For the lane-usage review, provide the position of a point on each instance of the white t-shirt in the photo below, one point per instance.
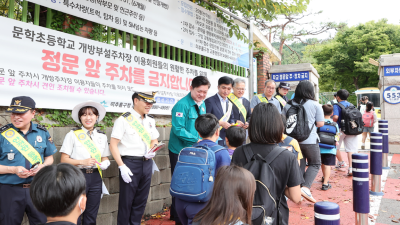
(73, 147)
(131, 143)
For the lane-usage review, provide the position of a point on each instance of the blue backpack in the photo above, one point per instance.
(327, 135)
(194, 173)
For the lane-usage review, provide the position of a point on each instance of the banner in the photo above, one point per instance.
(291, 76)
(60, 70)
(181, 24)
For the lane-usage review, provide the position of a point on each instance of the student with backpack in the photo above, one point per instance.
(303, 116)
(275, 169)
(235, 136)
(290, 143)
(329, 137)
(237, 183)
(194, 175)
(350, 123)
(369, 118)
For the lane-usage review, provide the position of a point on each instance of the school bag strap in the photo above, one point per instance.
(287, 140)
(268, 159)
(215, 148)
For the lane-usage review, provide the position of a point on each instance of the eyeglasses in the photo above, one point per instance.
(240, 89)
(271, 88)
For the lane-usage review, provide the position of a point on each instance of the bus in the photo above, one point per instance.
(374, 96)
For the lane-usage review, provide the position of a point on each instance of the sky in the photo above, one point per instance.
(354, 12)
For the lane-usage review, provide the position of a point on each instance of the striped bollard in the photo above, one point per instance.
(326, 213)
(384, 129)
(376, 163)
(360, 188)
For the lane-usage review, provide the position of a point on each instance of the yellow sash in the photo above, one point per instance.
(240, 106)
(90, 146)
(281, 100)
(139, 128)
(227, 114)
(22, 145)
(262, 99)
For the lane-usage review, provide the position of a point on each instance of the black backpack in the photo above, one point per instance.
(352, 122)
(266, 202)
(286, 143)
(297, 122)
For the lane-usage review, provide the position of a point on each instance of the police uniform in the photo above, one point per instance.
(75, 149)
(14, 191)
(132, 148)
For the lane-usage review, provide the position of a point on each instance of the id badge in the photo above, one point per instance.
(10, 156)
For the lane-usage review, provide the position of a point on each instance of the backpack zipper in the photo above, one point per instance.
(268, 191)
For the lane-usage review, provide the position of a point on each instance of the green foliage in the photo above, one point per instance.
(97, 32)
(343, 62)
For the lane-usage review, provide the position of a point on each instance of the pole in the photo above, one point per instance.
(376, 163)
(251, 72)
(326, 213)
(384, 129)
(360, 188)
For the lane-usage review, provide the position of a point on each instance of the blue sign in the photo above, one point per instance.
(291, 76)
(164, 100)
(392, 94)
(391, 71)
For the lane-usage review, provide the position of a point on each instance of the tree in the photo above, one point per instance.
(344, 60)
(289, 27)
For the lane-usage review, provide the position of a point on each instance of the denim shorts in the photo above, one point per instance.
(368, 129)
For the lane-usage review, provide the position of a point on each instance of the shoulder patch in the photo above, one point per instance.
(41, 127)
(100, 131)
(150, 116)
(75, 128)
(126, 114)
(5, 127)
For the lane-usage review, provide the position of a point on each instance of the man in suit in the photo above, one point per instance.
(239, 87)
(221, 107)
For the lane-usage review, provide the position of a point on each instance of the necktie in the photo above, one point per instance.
(226, 108)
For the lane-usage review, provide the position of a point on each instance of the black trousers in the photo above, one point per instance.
(173, 159)
(133, 195)
(14, 201)
(93, 195)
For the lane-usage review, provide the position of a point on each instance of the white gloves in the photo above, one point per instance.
(150, 155)
(105, 164)
(126, 173)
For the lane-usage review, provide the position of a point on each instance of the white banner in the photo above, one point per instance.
(60, 70)
(181, 24)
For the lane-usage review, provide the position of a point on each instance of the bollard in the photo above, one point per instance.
(326, 213)
(360, 188)
(384, 129)
(376, 163)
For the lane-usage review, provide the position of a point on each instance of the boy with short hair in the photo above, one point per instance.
(235, 136)
(58, 191)
(328, 154)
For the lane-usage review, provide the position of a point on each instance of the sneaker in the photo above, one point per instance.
(326, 186)
(350, 171)
(341, 164)
(306, 193)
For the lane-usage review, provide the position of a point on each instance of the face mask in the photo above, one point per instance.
(79, 204)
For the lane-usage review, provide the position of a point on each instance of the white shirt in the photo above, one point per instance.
(223, 102)
(73, 147)
(131, 143)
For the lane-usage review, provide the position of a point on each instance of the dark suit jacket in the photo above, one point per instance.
(238, 115)
(213, 106)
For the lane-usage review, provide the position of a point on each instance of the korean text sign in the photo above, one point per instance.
(392, 71)
(179, 23)
(60, 70)
(291, 76)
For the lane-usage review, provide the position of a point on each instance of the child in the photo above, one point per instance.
(58, 191)
(235, 136)
(290, 143)
(369, 119)
(329, 136)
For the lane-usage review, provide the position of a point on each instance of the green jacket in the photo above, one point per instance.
(183, 133)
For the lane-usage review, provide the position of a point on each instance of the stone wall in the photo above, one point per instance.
(159, 196)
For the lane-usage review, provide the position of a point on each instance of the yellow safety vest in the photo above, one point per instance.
(225, 117)
(262, 99)
(281, 100)
(90, 146)
(138, 127)
(238, 104)
(23, 146)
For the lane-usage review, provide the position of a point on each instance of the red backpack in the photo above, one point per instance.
(368, 118)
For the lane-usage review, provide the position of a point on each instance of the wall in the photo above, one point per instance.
(159, 196)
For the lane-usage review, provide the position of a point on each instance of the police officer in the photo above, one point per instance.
(77, 150)
(133, 135)
(25, 148)
(281, 92)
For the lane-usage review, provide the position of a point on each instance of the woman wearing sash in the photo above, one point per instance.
(281, 92)
(87, 148)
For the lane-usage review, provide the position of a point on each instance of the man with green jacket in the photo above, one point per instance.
(183, 133)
